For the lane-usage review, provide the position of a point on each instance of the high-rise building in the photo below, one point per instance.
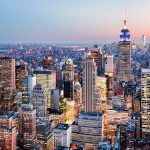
(145, 101)
(21, 72)
(44, 134)
(55, 94)
(77, 93)
(62, 135)
(8, 131)
(7, 81)
(68, 89)
(27, 126)
(90, 101)
(109, 65)
(125, 54)
(47, 79)
(8, 138)
(49, 62)
(102, 87)
(8, 76)
(39, 101)
(31, 83)
(143, 43)
(88, 130)
(98, 58)
(69, 70)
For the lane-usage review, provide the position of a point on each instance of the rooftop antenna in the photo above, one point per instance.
(125, 20)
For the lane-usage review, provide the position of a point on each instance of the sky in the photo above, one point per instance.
(72, 20)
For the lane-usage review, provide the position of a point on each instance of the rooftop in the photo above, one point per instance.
(90, 115)
(62, 126)
(144, 70)
(42, 72)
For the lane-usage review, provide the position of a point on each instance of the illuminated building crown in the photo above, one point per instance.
(125, 33)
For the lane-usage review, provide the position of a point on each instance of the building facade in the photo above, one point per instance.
(88, 130)
(62, 135)
(39, 101)
(27, 126)
(90, 99)
(47, 79)
(125, 54)
(145, 101)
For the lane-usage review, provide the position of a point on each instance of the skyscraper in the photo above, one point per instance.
(88, 130)
(21, 72)
(39, 101)
(8, 73)
(27, 126)
(48, 62)
(125, 54)
(62, 135)
(7, 80)
(90, 100)
(145, 101)
(8, 131)
(98, 59)
(44, 134)
(68, 89)
(69, 70)
(47, 79)
(109, 65)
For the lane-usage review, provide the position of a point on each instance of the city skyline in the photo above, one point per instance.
(71, 21)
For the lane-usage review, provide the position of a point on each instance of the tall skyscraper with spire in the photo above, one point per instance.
(125, 54)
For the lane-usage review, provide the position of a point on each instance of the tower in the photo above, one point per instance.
(39, 101)
(48, 63)
(69, 79)
(125, 54)
(7, 80)
(145, 101)
(90, 95)
(27, 126)
(47, 78)
(69, 70)
(98, 59)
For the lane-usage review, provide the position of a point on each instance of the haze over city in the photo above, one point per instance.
(71, 21)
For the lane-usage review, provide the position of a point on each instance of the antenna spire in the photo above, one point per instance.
(125, 20)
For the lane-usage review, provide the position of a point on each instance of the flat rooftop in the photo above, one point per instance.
(144, 70)
(43, 71)
(62, 126)
(90, 115)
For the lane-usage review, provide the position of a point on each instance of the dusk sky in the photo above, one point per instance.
(72, 20)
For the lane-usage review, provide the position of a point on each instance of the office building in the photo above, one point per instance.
(69, 70)
(145, 101)
(62, 135)
(47, 79)
(88, 130)
(8, 82)
(77, 93)
(68, 89)
(98, 58)
(8, 76)
(136, 120)
(21, 72)
(27, 126)
(8, 138)
(109, 65)
(39, 101)
(125, 54)
(31, 83)
(90, 100)
(48, 63)
(55, 96)
(8, 132)
(44, 134)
